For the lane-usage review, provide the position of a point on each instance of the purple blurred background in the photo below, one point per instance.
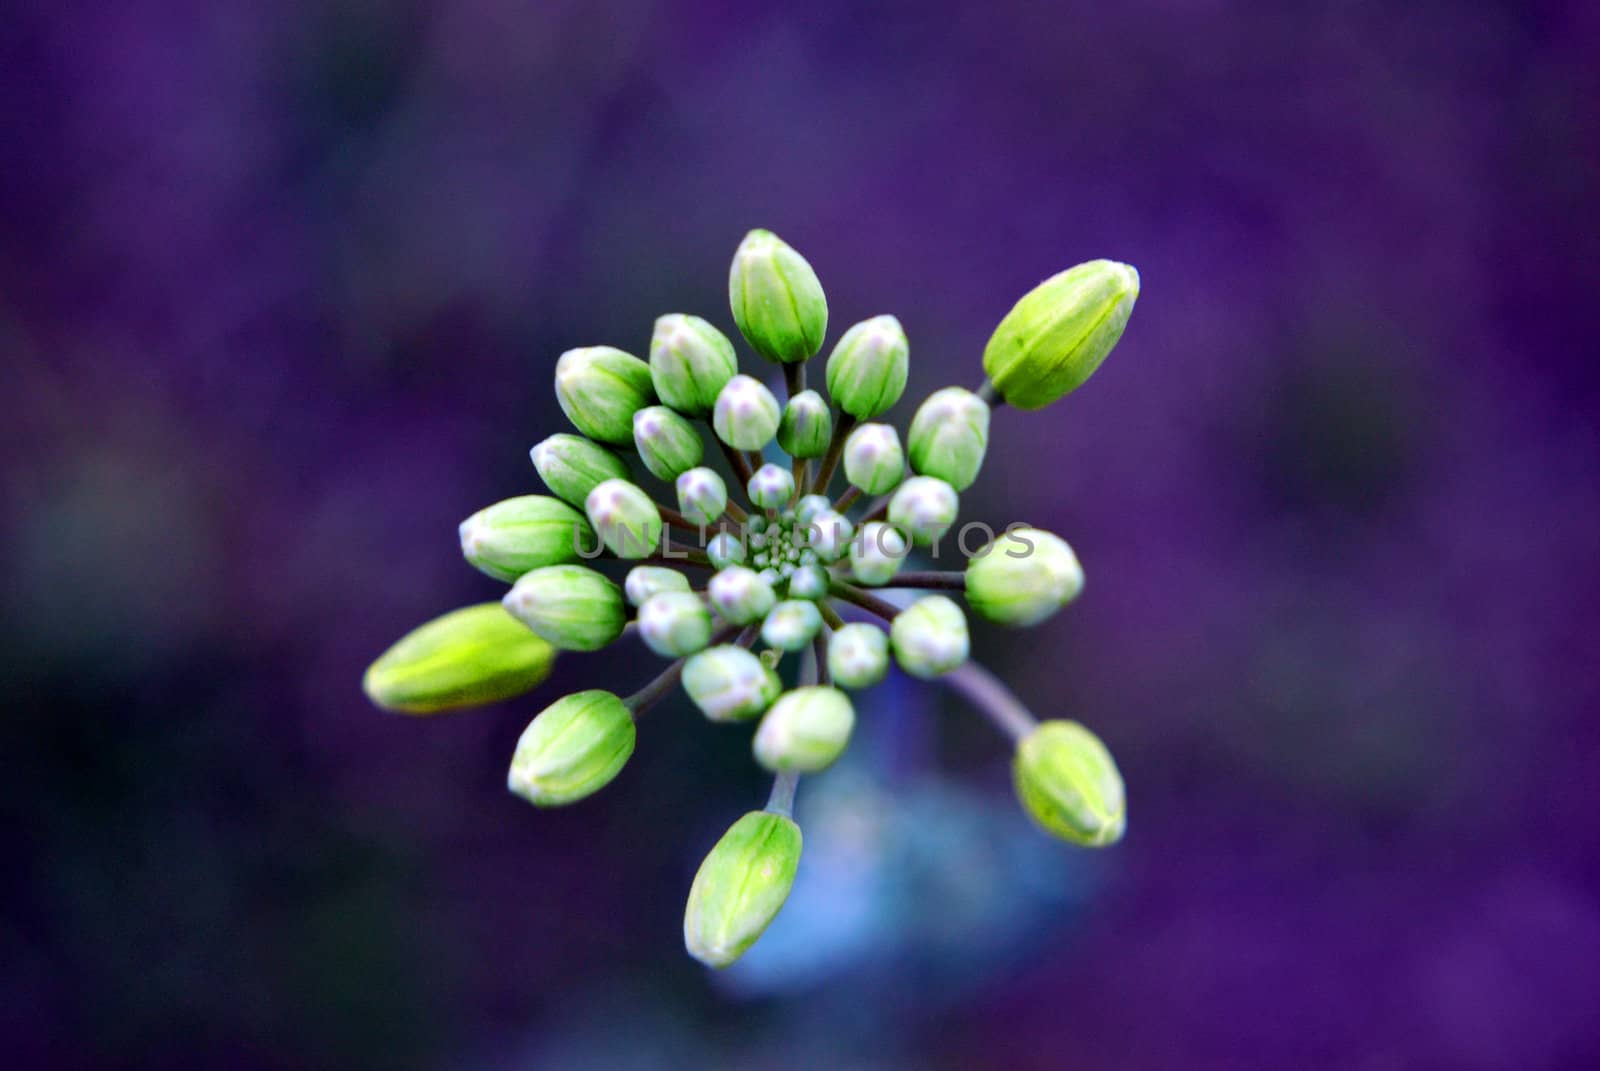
(281, 287)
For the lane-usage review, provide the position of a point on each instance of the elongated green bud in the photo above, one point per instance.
(600, 388)
(674, 624)
(625, 519)
(828, 533)
(469, 657)
(690, 362)
(791, 624)
(924, 508)
(572, 466)
(809, 506)
(729, 683)
(667, 443)
(521, 534)
(805, 731)
(873, 459)
(740, 887)
(740, 596)
(643, 581)
(771, 487)
(725, 549)
(572, 749)
(930, 637)
(806, 426)
(808, 582)
(702, 495)
(1057, 335)
(1022, 577)
(877, 553)
(746, 414)
(1070, 785)
(574, 608)
(776, 299)
(867, 369)
(858, 655)
(949, 436)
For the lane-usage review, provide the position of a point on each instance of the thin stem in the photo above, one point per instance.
(794, 377)
(781, 799)
(676, 519)
(841, 431)
(735, 512)
(865, 600)
(819, 650)
(658, 689)
(736, 461)
(830, 615)
(997, 702)
(847, 499)
(934, 579)
(747, 638)
(989, 394)
(878, 510)
(756, 462)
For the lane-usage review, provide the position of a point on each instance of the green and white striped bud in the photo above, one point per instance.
(1023, 577)
(858, 655)
(625, 519)
(674, 624)
(643, 581)
(702, 496)
(808, 582)
(572, 749)
(924, 508)
(873, 459)
(667, 443)
(690, 362)
(930, 637)
(867, 368)
(771, 487)
(1057, 335)
(740, 887)
(729, 683)
(776, 299)
(806, 730)
(725, 549)
(809, 506)
(600, 388)
(791, 625)
(877, 553)
(740, 596)
(572, 466)
(1069, 784)
(575, 608)
(828, 533)
(521, 534)
(469, 657)
(746, 414)
(806, 426)
(949, 436)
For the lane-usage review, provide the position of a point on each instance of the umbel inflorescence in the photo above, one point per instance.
(789, 570)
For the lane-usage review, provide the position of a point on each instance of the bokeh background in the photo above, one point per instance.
(281, 287)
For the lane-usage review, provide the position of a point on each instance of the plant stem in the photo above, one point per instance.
(781, 799)
(819, 649)
(989, 394)
(878, 510)
(852, 594)
(841, 431)
(933, 579)
(657, 690)
(847, 499)
(830, 615)
(736, 461)
(794, 377)
(676, 519)
(997, 702)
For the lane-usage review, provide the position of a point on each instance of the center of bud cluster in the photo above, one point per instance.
(778, 546)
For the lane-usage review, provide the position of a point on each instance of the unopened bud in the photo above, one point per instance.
(1023, 577)
(930, 637)
(572, 749)
(469, 657)
(924, 508)
(729, 683)
(521, 534)
(776, 299)
(740, 596)
(740, 887)
(771, 486)
(674, 624)
(806, 730)
(644, 581)
(572, 466)
(600, 388)
(858, 655)
(828, 534)
(702, 495)
(1069, 784)
(725, 549)
(808, 582)
(949, 436)
(746, 414)
(574, 608)
(806, 426)
(791, 624)
(625, 519)
(873, 459)
(867, 369)
(877, 553)
(667, 443)
(811, 505)
(690, 362)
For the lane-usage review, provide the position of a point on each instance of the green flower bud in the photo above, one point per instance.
(628, 523)
(702, 496)
(667, 443)
(808, 582)
(746, 414)
(600, 389)
(469, 657)
(1069, 784)
(806, 730)
(867, 369)
(729, 683)
(643, 581)
(1023, 577)
(690, 363)
(873, 460)
(521, 534)
(858, 655)
(828, 534)
(809, 506)
(1057, 335)
(572, 749)
(877, 553)
(572, 466)
(741, 887)
(674, 624)
(771, 486)
(930, 637)
(725, 549)
(575, 608)
(949, 435)
(776, 298)
(924, 508)
(791, 625)
(806, 427)
(740, 596)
